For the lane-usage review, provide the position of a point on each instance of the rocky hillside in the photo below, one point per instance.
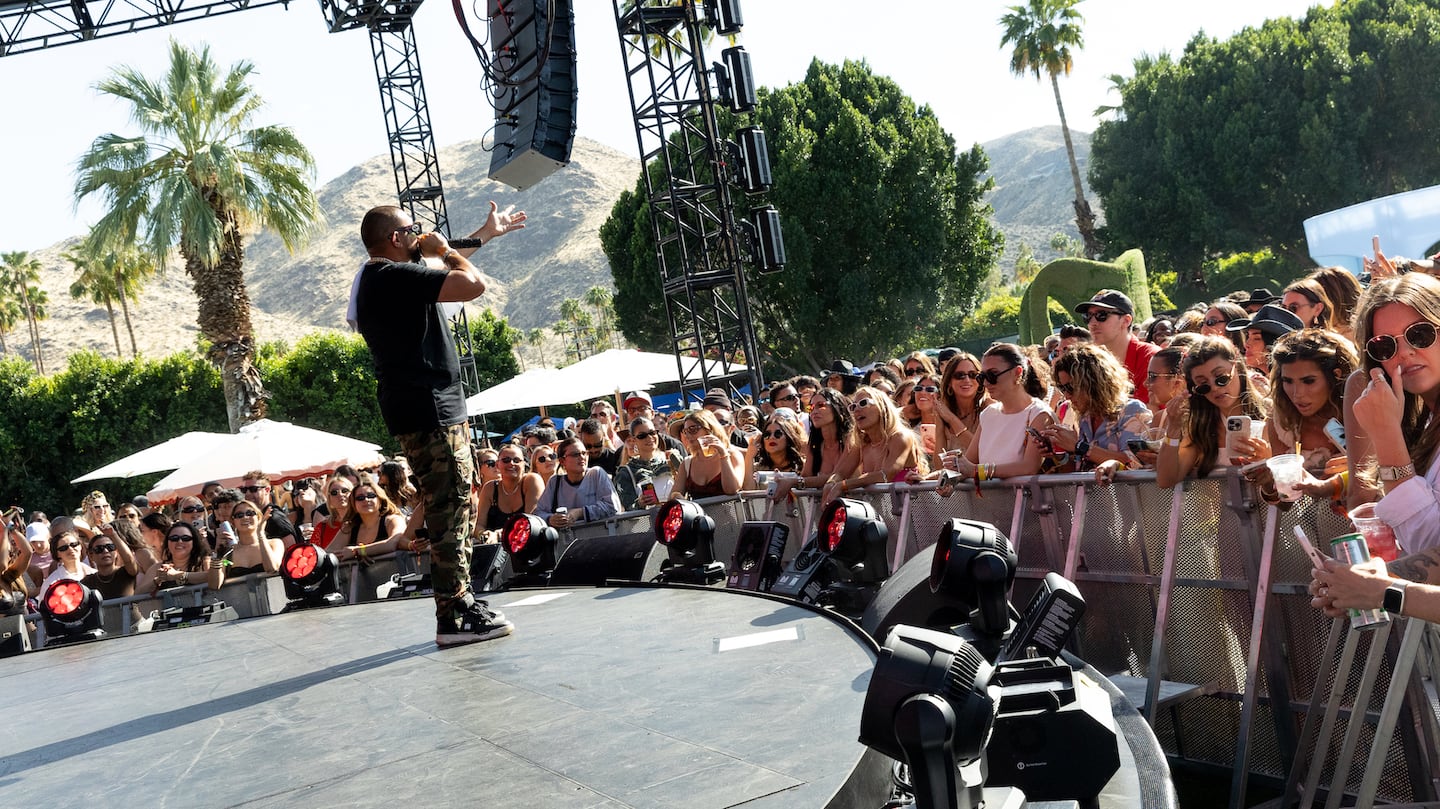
(1033, 190)
(557, 256)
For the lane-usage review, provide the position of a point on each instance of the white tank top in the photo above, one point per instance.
(1002, 435)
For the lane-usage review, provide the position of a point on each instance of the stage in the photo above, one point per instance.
(603, 697)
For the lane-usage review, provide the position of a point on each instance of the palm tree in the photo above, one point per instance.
(602, 300)
(205, 179)
(1042, 33)
(11, 313)
(95, 283)
(536, 339)
(21, 274)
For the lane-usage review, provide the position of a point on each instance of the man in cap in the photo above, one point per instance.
(1108, 316)
(638, 406)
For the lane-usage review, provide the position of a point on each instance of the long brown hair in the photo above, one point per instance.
(1330, 352)
(1313, 292)
(1204, 425)
(385, 506)
(982, 396)
(1422, 293)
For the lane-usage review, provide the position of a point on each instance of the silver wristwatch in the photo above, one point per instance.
(1392, 473)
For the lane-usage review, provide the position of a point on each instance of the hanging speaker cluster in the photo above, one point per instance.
(532, 46)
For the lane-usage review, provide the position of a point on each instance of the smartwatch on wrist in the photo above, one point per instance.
(1394, 600)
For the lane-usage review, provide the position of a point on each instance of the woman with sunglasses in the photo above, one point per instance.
(252, 551)
(1343, 290)
(112, 552)
(644, 462)
(513, 492)
(337, 508)
(904, 399)
(778, 447)
(917, 363)
(929, 424)
(544, 461)
(1109, 417)
(832, 434)
(1307, 300)
(1396, 322)
(1195, 435)
(715, 466)
(1219, 315)
(67, 548)
(375, 526)
(962, 398)
(885, 450)
(487, 469)
(1308, 373)
(184, 561)
(1017, 381)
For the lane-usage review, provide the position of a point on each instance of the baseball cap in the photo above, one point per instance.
(638, 397)
(1111, 299)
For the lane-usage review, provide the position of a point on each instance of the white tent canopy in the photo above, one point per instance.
(619, 370)
(282, 450)
(1407, 224)
(165, 455)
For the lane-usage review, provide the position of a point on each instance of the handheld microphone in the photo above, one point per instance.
(464, 244)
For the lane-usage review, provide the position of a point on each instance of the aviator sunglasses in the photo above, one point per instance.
(1419, 335)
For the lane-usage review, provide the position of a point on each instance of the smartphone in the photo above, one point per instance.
(1236, 427)
(1335, 430)
(927, 437)
(1316, 557)
(648, 487)
(1137, 445)
(1043, 441)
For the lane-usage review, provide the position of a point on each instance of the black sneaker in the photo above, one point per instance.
(472, 624)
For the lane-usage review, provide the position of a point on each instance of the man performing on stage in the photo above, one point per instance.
(397, 302)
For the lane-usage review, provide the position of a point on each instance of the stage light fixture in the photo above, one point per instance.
(975, 563)
(930, 704)
(758, 556)
(750, 154)
(1048, 623)
(724, 16)
(734, 80)
(531, 544)
(311, 576)
(843, 565)
(71, 612)
(688, 535)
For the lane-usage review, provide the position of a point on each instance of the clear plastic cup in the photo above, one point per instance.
(1288, 471)
(1379, 536)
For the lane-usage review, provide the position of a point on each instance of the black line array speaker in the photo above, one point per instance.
(534, 58)
(628, 557)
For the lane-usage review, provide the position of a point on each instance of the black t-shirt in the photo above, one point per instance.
(277, 526)
(609, 460)
(409, 338)
(119, 585)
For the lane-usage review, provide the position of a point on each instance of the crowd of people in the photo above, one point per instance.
(1344, 377)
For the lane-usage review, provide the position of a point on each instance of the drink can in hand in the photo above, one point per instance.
(1351, 549)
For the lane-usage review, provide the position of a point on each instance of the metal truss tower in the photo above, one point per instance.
(698, 243)
(407, 121)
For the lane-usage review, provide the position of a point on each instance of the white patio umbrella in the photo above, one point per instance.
(618, 370)
(282, 450)
(165, 455)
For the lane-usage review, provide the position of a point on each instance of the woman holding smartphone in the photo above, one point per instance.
(1308, 369)
(1195, 422)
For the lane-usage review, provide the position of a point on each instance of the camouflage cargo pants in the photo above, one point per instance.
(442, 461)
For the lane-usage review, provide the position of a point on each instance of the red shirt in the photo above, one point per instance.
(1137, 361)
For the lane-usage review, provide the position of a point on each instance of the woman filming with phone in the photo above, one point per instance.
(1110, 418)
(1219, 393)
(1308, 369)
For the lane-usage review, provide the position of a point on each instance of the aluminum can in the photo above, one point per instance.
(1351, 549)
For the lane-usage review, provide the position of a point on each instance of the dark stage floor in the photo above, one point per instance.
(604, 697)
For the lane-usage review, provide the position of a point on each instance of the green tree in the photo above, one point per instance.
(94, 282)
(1041, 34)
(11, 313)
(887, 237)
(1231, 146)
(600, 299)
(20, 273)
(202, 176)
(535, 338)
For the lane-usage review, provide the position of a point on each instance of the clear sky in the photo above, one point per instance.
(944, 53)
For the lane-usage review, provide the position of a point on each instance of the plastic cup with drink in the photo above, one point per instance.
(1379, 536)
(1288, 471)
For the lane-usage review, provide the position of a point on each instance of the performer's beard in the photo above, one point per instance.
(416, 256)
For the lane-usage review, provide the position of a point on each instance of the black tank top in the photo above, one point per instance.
(496, 517)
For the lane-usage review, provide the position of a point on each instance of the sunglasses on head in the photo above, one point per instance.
(992, 376)
(1098, 315)
(1221, 380)
(926, 389)
(1419, 335)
